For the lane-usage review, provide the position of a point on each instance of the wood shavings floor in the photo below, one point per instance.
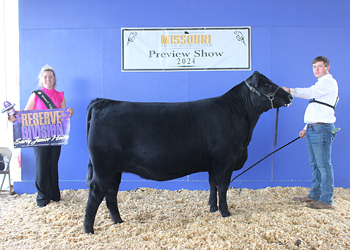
(161, 219)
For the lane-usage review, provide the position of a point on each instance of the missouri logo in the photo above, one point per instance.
(186, 39)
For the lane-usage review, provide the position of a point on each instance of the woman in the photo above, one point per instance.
(46, 157)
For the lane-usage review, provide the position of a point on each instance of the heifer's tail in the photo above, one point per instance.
(89, 174)
(89, 113)
(88, 118)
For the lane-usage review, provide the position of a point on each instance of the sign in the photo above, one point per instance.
(49, 127)
(171, 49)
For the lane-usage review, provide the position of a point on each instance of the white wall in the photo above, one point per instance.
(9, 75)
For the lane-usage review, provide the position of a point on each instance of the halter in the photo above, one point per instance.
(271, 97)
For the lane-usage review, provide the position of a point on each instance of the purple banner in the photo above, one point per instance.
(49, 127)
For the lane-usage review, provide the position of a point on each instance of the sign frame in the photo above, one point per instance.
(129, 36)
(35, 128)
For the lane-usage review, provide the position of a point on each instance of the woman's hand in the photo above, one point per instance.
(11, 118)
(71, 112)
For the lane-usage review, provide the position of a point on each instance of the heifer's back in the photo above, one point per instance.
(158, 141)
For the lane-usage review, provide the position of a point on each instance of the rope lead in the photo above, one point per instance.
(265, 158)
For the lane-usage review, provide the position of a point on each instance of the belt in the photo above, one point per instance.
(315, 124)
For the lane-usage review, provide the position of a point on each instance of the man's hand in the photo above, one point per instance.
(286, 89)
(302, 133)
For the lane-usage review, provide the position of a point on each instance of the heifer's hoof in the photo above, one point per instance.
(225, 214)
(213, 208)
(88, 231)
(118, 221)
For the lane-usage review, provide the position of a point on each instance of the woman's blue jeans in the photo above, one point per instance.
(319, 143)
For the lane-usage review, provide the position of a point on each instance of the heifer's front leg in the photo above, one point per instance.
(213, 199)
(94, 201)
(111, 200)
(222, 188)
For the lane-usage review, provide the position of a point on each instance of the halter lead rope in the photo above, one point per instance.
(276, 126)
(271, 97)
(265, 158)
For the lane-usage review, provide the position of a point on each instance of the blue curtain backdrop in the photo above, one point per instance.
(81, 40)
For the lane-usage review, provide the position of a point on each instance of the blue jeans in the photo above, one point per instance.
(319, 143)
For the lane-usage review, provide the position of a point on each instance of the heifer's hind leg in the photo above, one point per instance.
(213, 199)
(111, 199)
(94, 201)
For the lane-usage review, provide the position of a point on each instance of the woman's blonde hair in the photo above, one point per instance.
(43, 69)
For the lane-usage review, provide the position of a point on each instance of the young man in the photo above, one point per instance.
(319, 118)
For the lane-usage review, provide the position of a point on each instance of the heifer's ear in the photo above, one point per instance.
(253, 80)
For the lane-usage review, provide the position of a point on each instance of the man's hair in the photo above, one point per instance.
(321, 59)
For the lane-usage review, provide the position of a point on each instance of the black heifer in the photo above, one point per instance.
(164, 141)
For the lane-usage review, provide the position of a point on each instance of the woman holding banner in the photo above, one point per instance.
(46, 157)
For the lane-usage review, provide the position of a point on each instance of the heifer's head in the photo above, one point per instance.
(265, 94)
